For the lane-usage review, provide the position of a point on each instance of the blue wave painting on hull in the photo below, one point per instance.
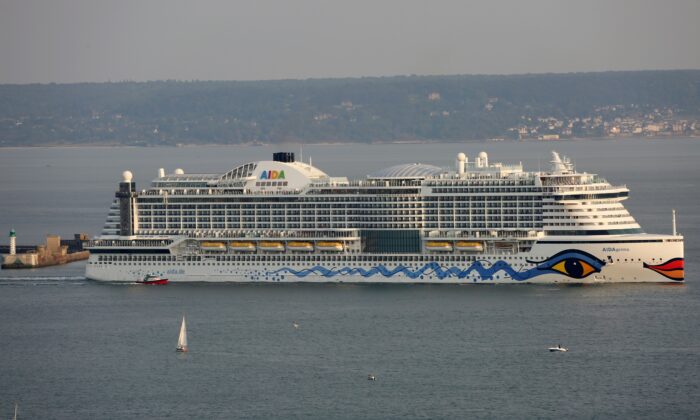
(572, 263)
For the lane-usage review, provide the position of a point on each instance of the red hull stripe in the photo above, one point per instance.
(674, 264)
(672, 269)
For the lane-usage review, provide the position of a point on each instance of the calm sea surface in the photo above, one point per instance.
(71, 348)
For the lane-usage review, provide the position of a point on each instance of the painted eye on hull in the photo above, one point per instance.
(574, 263)
(574, 267)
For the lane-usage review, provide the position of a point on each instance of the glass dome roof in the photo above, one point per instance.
(408, 170)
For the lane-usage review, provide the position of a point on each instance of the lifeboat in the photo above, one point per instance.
(504, 245)
(330, 246)
(242, 246)
(271, 246)
(469, 246)
(438, 246)
(213, 246)
(300, 246)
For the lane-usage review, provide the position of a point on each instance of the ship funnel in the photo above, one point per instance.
(161, 172)
(284, 157)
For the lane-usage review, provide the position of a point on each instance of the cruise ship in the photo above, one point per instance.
(475, 221)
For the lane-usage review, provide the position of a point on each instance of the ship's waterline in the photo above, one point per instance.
(481, 222)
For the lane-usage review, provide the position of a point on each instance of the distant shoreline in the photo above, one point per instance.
(387, 110)
(340, 143)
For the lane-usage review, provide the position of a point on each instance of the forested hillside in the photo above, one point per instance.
(337, 110)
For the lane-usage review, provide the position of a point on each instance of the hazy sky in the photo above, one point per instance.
(93, 40)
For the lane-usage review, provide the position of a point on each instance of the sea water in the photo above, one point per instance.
(73, 348)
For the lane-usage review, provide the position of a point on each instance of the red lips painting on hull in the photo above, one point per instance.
(672, 269)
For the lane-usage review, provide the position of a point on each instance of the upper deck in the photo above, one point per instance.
(475, 199)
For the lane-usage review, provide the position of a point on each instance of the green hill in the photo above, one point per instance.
(362, 109)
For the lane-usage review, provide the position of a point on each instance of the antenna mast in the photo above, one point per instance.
(674, 222)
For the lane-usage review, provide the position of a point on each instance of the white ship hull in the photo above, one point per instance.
(287, 221)
(629, 259)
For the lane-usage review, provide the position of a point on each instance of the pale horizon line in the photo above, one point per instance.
(300, 79)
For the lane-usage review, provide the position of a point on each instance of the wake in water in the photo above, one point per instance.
(42, 281)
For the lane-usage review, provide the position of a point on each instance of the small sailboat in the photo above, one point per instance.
(15, 416)
(182, 339)
(558, 348)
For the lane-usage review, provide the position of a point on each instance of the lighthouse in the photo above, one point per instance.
(13, 242)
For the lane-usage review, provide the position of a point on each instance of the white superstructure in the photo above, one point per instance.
(287, 221)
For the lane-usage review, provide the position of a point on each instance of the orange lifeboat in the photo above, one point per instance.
(469, 246)
(438, 246)
(212, 246)
(242, 246)
(271, 246)
(300, 246)
(330, 246)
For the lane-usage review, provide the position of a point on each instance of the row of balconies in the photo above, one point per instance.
(176, 228)
(296, 215)
(340, 218)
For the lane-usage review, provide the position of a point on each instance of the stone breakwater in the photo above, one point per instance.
(53, 252)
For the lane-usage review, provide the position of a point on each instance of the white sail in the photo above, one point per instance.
(182, 339)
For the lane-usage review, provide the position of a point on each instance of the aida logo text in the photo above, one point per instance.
(272, 175)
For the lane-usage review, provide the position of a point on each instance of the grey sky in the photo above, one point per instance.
(92, 40)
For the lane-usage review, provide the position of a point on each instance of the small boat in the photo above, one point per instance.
(329, 246)
(242, 246)
(295, 325)
(182, 339)
(152, 279)
(469, 246)
(212, 246)
(271, 246)
(300, 246)
(438, 246)
(371, 377)
(15, 416)
(558, 348)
